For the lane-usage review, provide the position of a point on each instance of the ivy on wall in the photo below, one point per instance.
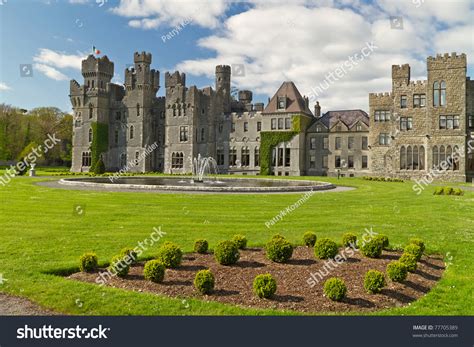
(100, 141)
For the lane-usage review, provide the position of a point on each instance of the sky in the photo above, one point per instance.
(335, 51)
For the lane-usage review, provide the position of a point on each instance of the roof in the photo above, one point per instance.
(348, 117)
(295, 102)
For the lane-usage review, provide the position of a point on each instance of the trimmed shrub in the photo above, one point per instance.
(204, 281)
(418, 242)
(383, 239)
(264, 286)
(201, 246)
(279, 250)
(154, 271)
(226, 253)
(99, 167)
(170, 255)
(349, 240)
(458, 191)
(374, 281)
(335, 289)
(415, 250)
(448, 191)
(397, 271)
(240, 241)
(88, 262)
(130, 252)
(119, 266)
(325, 249)
(278, 236)
(309, 239)
(372, 248)
(409, 260)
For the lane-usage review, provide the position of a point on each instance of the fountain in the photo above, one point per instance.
(203, 166)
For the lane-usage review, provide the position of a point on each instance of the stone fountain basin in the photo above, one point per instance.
(219, 185)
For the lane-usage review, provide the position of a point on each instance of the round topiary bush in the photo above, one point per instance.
(409, 260)
(264, 286)
(170, 255)
(279, 250)
(383, 239)
(240, 241)
(119, 266)
(88, 262)
(335, 289)
(154, 271)
(309, 239)
(374, 281)
(226, 253)
(130, 252)
(349, 240)
(201, 246)
(204, 281)
(415, 250)
(396, 271)
(372, 248)
(419, 243)
(325, 249)
(277, 236)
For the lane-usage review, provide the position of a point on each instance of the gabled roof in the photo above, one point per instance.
(295, 102)
(348, 117)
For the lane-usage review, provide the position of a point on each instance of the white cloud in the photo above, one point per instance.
(78, 2)
(59, 60)
(151, 14)
(50, 72)
(4, 87)
(305, 42)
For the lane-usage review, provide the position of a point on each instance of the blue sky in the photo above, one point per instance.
(274, 41)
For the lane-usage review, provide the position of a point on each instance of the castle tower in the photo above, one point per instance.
(400, 75)
(223, 75)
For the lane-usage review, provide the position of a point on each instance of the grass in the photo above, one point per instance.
(40, 235)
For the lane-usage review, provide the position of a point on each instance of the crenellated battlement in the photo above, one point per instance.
(223, 69)
(174, 79)
(447, 61)
(142, 57)
(381, 95)
(92, 66)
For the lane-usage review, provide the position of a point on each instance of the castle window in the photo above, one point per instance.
(439, 93)
(403, 158)
(337, 161)
(116, 136)
(93, 84)
(246, 126)
(245, 155)
(177, 160)
(256, 156)
(409, 158)
(137, 155)
(86, 159)
(338, 127)
(449, 122)
(325, 143)
(88, 84)
(132, 130)
(312, 143)
(364, 142)
(456, 155)
(406, 123)
(273, 156)
(413, 158)
(350, 143)
(384, 139)
(318, 128)
(312, 161)
(338, 143)
(471, 121)
(382, 116)
(259, 125)
(350, 162)
(287, 123)
(280, 156)
(419, 100)
(442, 155)
(90, 135)
(280, 123)
(325, 161)
(91, 111)
(118, 116)
(183, 134)
(287, 157)
(138, 110)
(365, 162)
(358, 127)
(403, 101)
(449, 157)
(435, 157)
(422, 158)
(274, 123)
(221, 127)
(232, 156)
(281, 103)
(220, 156)
(203, 134)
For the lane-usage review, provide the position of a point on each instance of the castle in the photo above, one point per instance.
(408, 133)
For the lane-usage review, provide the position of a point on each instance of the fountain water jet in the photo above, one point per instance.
(203, 166)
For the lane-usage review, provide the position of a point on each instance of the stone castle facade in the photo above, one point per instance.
(407, 132)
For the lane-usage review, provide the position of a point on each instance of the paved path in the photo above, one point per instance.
(15, 306)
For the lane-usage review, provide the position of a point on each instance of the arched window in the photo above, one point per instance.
(403, 158)
(435, 157)
(138, 110)
(422, 158)
(132, 130)
(443, 93)
(245, 155)
(90, 135)
(91, 111)
(442, 155)
(232, 156)
(456, 155)
(449, 157)
(415, 158)
(116, 136)
(86, 159)
(409, 158)
(93, 84)
(256, 157)
(177, 160)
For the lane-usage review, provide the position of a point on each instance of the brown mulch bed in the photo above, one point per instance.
(234, 283)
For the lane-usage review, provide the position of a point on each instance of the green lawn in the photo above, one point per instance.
(40, 234)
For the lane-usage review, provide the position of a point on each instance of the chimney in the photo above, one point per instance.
(317, 110)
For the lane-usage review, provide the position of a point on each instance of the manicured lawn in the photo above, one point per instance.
(40, 233)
